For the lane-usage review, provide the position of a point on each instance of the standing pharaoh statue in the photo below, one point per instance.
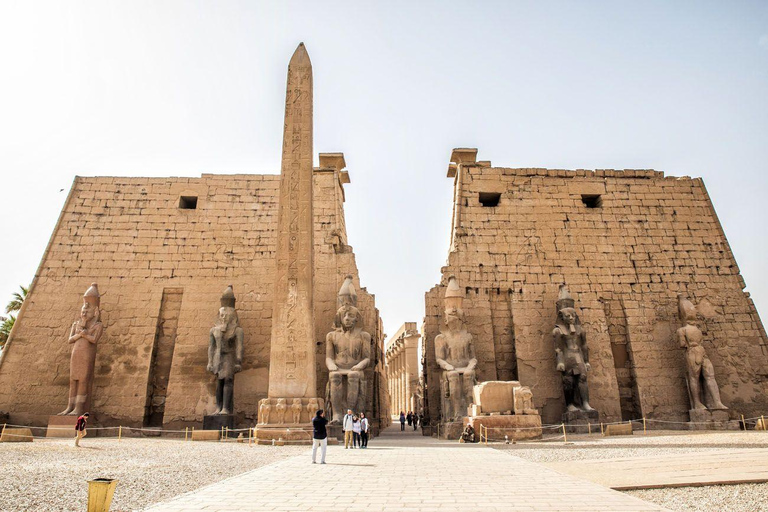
(225, 352)
(347, 355)
(572, 353)
(455, 354)
(85, 334)
(698, 364)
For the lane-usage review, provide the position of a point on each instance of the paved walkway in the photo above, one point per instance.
(407, 472)
(690, 469)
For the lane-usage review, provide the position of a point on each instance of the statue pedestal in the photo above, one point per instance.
(64, 426)
(219, 421)
(516, 427)
(705, 419)
(450, 430)
(577, 422)
(291, 433)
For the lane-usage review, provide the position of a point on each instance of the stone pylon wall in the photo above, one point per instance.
(130, 236)
(648, 238)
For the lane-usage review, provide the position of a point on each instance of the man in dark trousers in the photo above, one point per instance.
(319, 436)
(80, 428)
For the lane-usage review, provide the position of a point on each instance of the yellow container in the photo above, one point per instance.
(100, 493)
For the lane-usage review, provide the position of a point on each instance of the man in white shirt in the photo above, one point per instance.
(346, 426)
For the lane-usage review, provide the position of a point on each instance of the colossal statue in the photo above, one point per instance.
(572, 353)
(699, 366)
(347, 355)
(455, 354)
(225, 352)
(85, 334)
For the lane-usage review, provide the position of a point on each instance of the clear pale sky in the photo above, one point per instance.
(184, 88)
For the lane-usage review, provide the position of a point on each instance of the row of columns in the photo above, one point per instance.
(403, 370)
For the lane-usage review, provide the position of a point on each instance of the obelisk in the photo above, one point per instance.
(292, 352)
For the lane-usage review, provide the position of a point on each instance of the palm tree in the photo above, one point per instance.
(6, 324)
(17, 301)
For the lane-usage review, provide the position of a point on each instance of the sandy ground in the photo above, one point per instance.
(731, 498)
(51, 475)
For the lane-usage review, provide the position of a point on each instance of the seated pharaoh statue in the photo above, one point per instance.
(347, 355)
(572, 354)
(455, 354)
(699, 367)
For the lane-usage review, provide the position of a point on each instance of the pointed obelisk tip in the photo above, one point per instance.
(300, 56)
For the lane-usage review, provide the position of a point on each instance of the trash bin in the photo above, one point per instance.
(100, 493)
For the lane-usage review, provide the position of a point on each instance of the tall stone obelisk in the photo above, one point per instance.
(292, 371)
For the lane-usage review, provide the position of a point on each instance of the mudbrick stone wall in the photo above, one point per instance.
(627, 243)
(161, 270)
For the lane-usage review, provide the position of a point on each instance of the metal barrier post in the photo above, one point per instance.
(601, 428)
(589, 428)
(762, 419)
(565, 437)
(186, 433)
(644, 425)
(486, 436)
(119, 433)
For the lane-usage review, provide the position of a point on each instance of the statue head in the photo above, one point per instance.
(453, 315)
(686, 310)
(347, 316)
(296, 401)
(568, 320)
(227, 320)
(91, 302)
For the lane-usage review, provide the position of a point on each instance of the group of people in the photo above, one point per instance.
(411, 418)
(356, 428)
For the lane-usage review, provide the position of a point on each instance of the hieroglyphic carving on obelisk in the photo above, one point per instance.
(292, 353)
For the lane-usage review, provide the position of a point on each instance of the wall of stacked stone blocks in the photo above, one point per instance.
(644, 240)
(161, 271)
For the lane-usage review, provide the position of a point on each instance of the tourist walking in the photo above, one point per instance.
(80, 428)
(346, 426)
(319, 436)
(409, 418)
(415, 421)
(402, 421)
(364, 430)
(356, 432)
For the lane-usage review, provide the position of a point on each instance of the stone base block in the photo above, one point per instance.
(219, 421)
(705, 419)
(515, 426)
(63, 426)
(17, 435)
(577, 422)
(206, 435)
(293, 434)
(622, 429)
(450, 430)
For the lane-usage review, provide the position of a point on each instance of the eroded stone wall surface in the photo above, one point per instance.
(130, 236)
(625, 254)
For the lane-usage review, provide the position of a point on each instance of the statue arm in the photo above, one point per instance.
(681, 340)
(440, 355)
(93, 338)
(472, 356)
(584, 349)
(73, 334)
(558, 350)
(211, 350)
(330, 353)
(362, 365)
(238, 349)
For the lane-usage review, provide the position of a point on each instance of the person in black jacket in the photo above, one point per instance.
(80, 428)
(319, 436)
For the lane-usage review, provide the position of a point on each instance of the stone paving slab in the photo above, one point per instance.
(406, 471)
(695, 469)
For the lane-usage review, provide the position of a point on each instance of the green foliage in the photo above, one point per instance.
(6, 324)
(17, 301)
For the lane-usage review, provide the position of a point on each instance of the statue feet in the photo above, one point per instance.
(586, 407)
(224, 411)
(572, 408)
(719, 406)
(217, 411)
(700, 407)
(66, 411)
